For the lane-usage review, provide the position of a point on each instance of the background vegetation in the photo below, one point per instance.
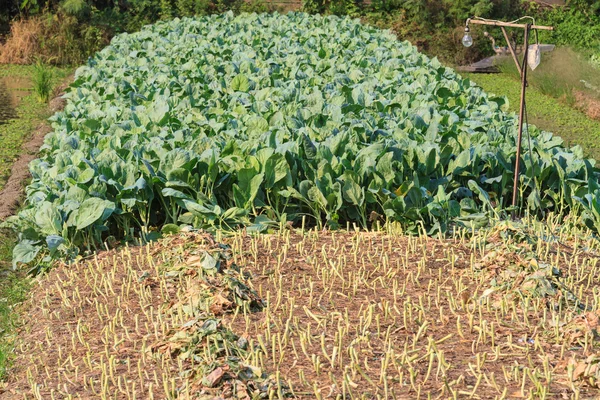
(68, 31)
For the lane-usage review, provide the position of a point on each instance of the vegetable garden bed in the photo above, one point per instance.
(258, 120)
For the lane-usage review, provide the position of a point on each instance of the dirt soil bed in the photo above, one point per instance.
(88, 328)
(317, 315)
(373, 316)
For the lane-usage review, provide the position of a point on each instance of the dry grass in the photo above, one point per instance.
(508, 313)
(52, 39)
(23, 43)
(590, 105)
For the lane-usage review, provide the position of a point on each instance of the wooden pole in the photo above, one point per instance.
(521, 115)
(523, 72)
(512, 51)
(510, 25)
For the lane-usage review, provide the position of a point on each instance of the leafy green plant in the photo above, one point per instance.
(254, 119)
(42, 81)
(591, 206)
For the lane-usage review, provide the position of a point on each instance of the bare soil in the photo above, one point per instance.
(103, 325)
(397, 278)
(347, 315)
(97, 328)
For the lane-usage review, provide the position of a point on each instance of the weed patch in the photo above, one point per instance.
(42, 81)
(13, 289)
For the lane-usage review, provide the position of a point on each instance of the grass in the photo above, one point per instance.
(30, 111)
(546, 112)
(507, 312)
(42, 81)
(561, 73)
(12, 291)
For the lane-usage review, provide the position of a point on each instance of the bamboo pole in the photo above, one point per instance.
(523, 72)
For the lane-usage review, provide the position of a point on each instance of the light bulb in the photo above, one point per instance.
(467, 40)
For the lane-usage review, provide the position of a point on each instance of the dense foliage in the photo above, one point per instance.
(576, 25)
(257, 119)
(74, 29)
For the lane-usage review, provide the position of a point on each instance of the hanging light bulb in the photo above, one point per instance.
(467, 40)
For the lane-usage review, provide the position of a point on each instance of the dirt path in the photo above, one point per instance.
(12, 193)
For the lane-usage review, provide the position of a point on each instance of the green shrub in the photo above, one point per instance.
(595, 59)
(258, 6)
(167, 10)
(576, 25)
(315, 6)
(190, 8)
(76, 8)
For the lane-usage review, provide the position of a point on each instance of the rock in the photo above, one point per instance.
(211, 380)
